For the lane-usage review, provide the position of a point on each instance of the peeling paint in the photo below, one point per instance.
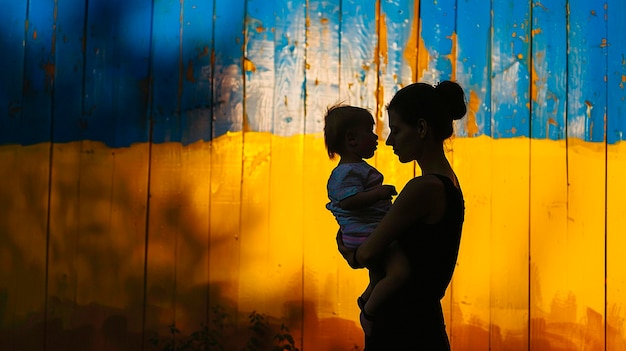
(474, 106)
(382, 39)
(189, 72)
(423, 56)
(453, 56)
(248, 65)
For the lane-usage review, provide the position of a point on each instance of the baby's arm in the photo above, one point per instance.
(368, 198)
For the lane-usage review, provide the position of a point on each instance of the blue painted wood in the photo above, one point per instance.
(510, 69)
(259, 66)
(322, 61)
(473, 65)
(290, 66)
(398, 61)
(36, 120)
(167, 71)
(616, 61)
(190, 90)
(68, 124)
(116, 65)
(438, 30)
(549, 47)
(197, 48)
(359, 39)
(12, 20)
(228, 78)
(398, 54)
(587, 70)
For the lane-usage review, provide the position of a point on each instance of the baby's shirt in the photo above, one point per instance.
(348, 179)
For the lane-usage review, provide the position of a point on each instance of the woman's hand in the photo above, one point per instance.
(348, 254)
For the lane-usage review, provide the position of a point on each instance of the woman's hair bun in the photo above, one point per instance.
(454, 98)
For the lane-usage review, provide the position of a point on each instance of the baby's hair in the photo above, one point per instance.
(339, 119)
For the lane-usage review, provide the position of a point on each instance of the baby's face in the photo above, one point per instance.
(367, 141)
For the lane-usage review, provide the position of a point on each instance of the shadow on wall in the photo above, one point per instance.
(95, 294)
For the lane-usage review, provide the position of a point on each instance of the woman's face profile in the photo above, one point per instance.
(403, 138)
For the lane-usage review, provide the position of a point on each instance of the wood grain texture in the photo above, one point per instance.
(615, 168)
(195, 128)
(548, 171)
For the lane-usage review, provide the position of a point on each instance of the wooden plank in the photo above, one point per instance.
(178, 281)
(584, 307)
(110, 186)
(438, 31)
(12, 315)
(510, 89)
(398, 64)
(196, 96)
(286, 213)
(28, 108)
(255, 291)
(39, 60)
(358, 86)
(510, 69)
(226, 159)
(120, 92)
(359, 38)
(616, 167)
(548, 171)
(65, 196)
(13, 16)
(196, 128)
(320, 259)
(439, 37)
(167, 200)
(470, 318)
(473, 66)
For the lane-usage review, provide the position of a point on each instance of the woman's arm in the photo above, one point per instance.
(421, 200)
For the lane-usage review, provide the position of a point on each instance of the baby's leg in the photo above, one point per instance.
(397, 271)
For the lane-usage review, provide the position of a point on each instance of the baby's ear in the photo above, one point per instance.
(350, 137)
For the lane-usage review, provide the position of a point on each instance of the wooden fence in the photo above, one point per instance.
(163, 170)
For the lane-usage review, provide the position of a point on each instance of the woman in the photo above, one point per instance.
(425, 220)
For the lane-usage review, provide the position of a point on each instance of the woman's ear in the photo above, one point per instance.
(422, 128)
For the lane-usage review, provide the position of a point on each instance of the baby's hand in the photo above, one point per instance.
(387, 191)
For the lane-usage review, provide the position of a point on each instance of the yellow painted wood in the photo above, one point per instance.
(470, 316)
(548, 235)
(284, 277)
(281, 259)
(255, 249)
(177, 281)
(583, 301)
(225, 222)
(615, 244)
(23, 225)
(509, 244)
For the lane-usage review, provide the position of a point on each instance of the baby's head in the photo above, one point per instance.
(340, 120)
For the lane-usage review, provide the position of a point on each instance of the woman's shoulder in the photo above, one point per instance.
(426, 182)
(433, 181)
(428, 195)
(427, 188)
(421, 190)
